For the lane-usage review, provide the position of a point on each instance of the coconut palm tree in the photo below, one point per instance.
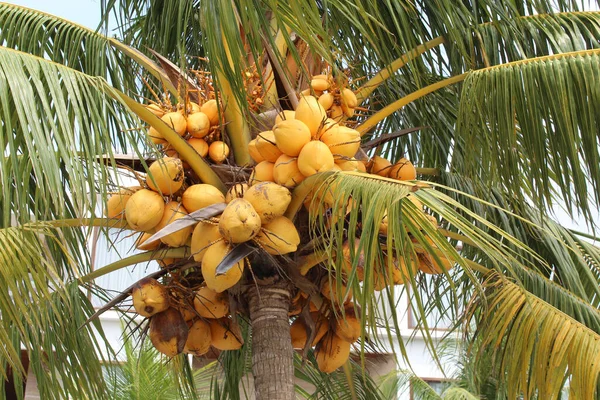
(494, 102)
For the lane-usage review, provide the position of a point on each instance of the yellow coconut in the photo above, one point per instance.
(348, 112)
(348, 326)
(204, 235)
(139, 243)
(211, 110)
(285, 115)
(144, 210)
(199, 339)
(348, 165)
(262, 172)
(168, 332)
(290, 136)
(222, 335)
(311, 113)
(348, 260)
(174, 211)
(330, 291)
(254, 153)
(149, 297)
(342, 140)
(201, 195)
(218, 151)
(210, 304)
(315, 157)
(319, 84)
(269, 199)
(115, 205)
(266, 146)
(286, 171)
(380, 166)
(192, 107)
(428, 263)
(401, 272)
(155, 136)
(176, 121)
(299, 334)
(198, 125)
(403, 170)
(326, 100)
(199, 145)
(336, 113)
(236, 191)
(239, 221)
(332, 352)
(279, 236)
(212, 257)
(156, 110)
(362, 167)
(349, 98)
(165, 175)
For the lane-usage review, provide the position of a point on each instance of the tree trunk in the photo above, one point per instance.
(272, 352)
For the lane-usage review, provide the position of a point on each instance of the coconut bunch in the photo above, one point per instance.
(339, 101)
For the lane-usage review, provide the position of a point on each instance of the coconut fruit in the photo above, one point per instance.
(155, 109)
(285, 115)
(201, 195)
(290, 136)
(267, 147)
(239, 222)
(198, 125)
(279, 236)
(335, 112)
(401, 272)
(210, 304)
(380, 166)
(348, 326)
(348, 165)
(144, 210)
(349, 98)
(315, 157)
(286, 171)
(222, 335)
(176, 121)
(173, 212)
(326, 100)
(149, 297)
(236, 191)
(211, 110)
(211, 260)
(218, 151)
(262, 172)
(403, 170)
(330, 291)
(168, 332)
(269, 199)
(115, 206)
(155, 136)
(342, 140)
(192, 108)
(199, 339)
(254, 153)
(299, 334)
(319, 84)
(139, 243)
(311, 113)
(332, 352)
(205, 234)
(428, 263)
(165, 175)
(199, 145)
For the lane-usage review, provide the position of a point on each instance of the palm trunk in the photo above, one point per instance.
(272, 353)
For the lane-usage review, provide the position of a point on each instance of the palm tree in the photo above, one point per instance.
(495, 102)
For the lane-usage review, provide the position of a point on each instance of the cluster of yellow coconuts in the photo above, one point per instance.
(195, 123)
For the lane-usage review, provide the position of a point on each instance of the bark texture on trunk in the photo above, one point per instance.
(272, 353)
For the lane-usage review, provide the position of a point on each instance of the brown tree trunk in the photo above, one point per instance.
(272, 353)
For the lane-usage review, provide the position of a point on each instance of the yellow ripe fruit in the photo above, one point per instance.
(139, 243)
(155, 109)
(305, 92)
(336, 113)
(236, 191)
(239, 222)
(263, 172)
(311, 113)
(362, 167)
(286, 171)
(168, 332)
(380, 166)
(144, 210)
(218, 151)
(155, 136)
(173, 212)
(348, 326)
(291, 136)
(222, 337)
(266, 146)
(285, 115)
(298, 330)
(211, 110)
(165, 175)
(199, 145)
(279, 236)
(429, 265)
(198, 125)
(192, 108)
(115, 205)
(403, 170)
(348, 112)
(212, 257)
(348, 165)
(315, 157)
(400, 271)
(254, 153)
(269, 199)
(321, 76)
(326, 100)
(332, 352)
(199, 339)
(347, 260)
(201, 195)
(330, 291)
(149, 297)
(342, 140)
(176, 121)
(210, 304)
(204, 235)
(319, 84)
(349, 98)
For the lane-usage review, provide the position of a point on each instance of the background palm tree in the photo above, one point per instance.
(506, 98)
